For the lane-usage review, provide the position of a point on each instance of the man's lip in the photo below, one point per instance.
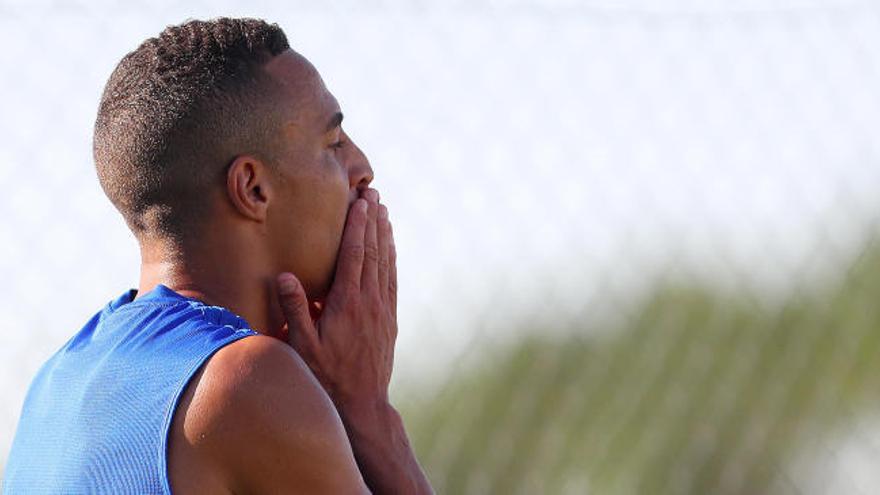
(354, 196)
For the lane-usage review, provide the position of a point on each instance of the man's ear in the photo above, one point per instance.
(248, 188)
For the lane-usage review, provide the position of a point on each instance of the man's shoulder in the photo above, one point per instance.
(246, 380)
(235, 369)
(254, 402)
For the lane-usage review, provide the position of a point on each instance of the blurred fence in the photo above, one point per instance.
(637, 240)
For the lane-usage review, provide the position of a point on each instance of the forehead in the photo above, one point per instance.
(303, 96)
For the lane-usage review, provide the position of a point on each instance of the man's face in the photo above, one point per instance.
(321, 173)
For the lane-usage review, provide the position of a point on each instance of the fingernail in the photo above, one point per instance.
(287, 283)
(383, 212)
(362, 205)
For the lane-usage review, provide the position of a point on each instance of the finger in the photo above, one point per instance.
(392, 271)
(383, 231)
(301, 331)
(349, 264)
(370, 275)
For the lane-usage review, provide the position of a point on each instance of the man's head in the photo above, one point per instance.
(219, 125)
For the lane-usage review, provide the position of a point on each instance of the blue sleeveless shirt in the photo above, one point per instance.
(97, 414)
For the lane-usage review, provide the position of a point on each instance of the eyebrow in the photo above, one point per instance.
(335, 121)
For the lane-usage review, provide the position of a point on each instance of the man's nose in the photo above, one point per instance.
(360, 173)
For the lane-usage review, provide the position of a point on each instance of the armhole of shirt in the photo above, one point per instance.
(169, 414)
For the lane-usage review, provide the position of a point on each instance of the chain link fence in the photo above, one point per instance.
(637, 240)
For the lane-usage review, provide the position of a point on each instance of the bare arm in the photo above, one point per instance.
(350, 347)
(259, 420)
(382, 449)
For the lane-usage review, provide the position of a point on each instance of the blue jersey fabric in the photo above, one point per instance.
(97, 414)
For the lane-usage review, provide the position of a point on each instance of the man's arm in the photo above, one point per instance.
(350, 347)
(259, 422)
(382, 449)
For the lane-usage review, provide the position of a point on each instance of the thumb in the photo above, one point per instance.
(295, 306)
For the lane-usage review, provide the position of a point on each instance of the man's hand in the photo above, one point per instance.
(350, 348)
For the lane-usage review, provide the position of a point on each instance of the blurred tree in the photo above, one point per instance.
(699, 393)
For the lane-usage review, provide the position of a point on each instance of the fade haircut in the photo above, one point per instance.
(174, 114)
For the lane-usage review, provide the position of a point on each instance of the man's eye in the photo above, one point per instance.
(338, 144)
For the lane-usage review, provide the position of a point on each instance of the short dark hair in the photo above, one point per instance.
(174, 114)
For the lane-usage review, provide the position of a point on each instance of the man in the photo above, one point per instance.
(255, 355)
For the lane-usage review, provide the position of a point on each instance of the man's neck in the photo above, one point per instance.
(223, 278)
